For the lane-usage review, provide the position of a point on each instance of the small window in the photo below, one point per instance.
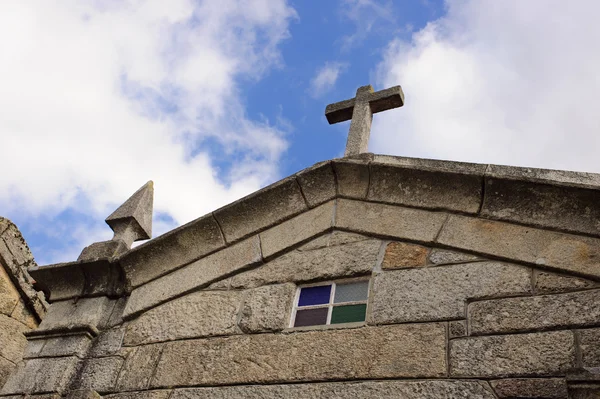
(331, 303)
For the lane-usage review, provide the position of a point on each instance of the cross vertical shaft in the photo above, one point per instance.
(360, 110)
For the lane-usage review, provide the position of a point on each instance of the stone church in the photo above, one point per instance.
(367, 276)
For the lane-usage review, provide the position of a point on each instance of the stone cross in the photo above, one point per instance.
(360, 110)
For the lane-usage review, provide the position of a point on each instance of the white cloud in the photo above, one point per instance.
(325, 78)
(367, 16)
(510, 82)
(98, 97)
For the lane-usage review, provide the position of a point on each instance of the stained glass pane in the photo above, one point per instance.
(314, 295)
(351, 292)
(311, 317)
(348, 313)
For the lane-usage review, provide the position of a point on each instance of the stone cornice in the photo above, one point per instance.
(565, 202)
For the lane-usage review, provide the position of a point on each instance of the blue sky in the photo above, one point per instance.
(214, 100)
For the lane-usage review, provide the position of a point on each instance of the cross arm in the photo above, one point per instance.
(386, 99)
(340, 111)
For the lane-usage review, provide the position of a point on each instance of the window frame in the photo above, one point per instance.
(330, 305)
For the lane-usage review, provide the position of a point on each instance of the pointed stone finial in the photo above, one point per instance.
(132, 221)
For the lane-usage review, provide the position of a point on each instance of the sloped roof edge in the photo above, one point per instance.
(549, 199)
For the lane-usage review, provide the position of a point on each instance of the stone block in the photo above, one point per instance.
(116, 317)
(508, 315)
(457, 328)
(220, 284)
(554, 250)
(318, 183)
(440, 256)
(69, 345)
(34, 347)
(195, 275)
(297, 229)
(267, 308)
(59, 282)
(85, 313)
(139, 366)
(12, 340)
(431, 389)
(550, 283)
(41, 376)
(352, 178)
(547, 205)
(160, 394)
(518, 355)
(404, 351)
(6, 367)
(399, 255)
(107, 343)
(425, 189)
(22, 314)
(264, 208)
(306, 263)
(99, 374)
(548, 176)
(17, 246)
(440, 293)
(589, 344)
(200, 314)
(172, 250)
(9, 296)
(83, 394)
(389, 220)
(531, 388)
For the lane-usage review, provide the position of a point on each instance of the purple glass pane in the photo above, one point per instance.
(314, 295)
(311, 317)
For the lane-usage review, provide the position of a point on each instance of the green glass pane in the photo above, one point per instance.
(348, 313)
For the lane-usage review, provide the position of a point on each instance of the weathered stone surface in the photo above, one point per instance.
(400, 255)
(425, 189)
(432, 389)
(12, 340)
(589, 342)
(439, 293)
(352, 178)
(267, 308)
(9, 296)
(389, 220)
(195, 275)
(561, 251)
(160, 394)
(318, 183)
(261, 209)
(519, 355)
(584, 391)
(297, 229)
(440, 256)
(200, 314)
(6, 368)
(139, 366)
(70, 345)
(531, 388)
(132, 221)
(550, 283)
(547, 205)
(60, 282)
(549, 176)
(576, 309)
(83, 394)
(307, 262)
(116, 317)
(417, 350)
(334, 238)
(457, 328)
(99, 374)
(220, 284)
(22, 314)
(172, 250)
(107, 343)
(86, 312)
(41, 376)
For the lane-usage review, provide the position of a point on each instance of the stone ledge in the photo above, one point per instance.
(261, 209)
